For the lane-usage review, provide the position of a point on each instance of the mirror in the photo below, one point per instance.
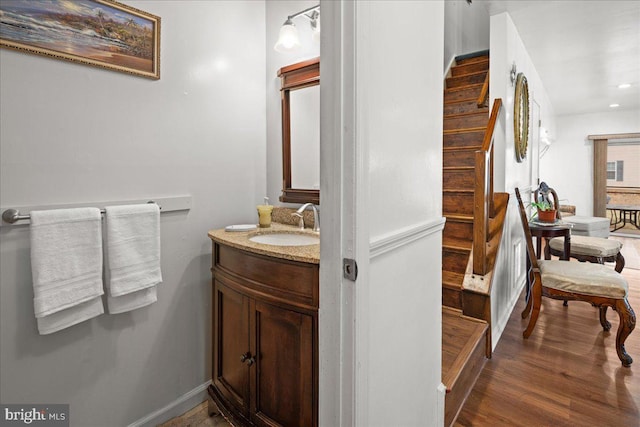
(300, 96)
(521, 117)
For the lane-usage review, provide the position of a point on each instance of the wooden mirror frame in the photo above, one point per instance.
(521, 117)
(293, 77)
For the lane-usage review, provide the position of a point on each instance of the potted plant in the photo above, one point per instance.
(545, 211)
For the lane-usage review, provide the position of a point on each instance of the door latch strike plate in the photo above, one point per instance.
(349, 269)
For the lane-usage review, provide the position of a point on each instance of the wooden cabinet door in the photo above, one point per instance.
(230, 343)
(284, 373)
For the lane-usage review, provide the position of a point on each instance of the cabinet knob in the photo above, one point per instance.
(247, 358)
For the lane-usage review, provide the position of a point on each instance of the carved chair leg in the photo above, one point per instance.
(619, 262)
(527, 308)
(627, 324)
(536, 296)
(606, 326)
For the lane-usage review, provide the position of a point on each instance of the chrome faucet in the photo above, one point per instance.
(316, 216)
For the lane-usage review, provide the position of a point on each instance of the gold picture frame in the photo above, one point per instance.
(521, 117)
(101, 33)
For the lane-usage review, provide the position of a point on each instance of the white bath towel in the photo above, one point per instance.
(133, 256)
(66, 266)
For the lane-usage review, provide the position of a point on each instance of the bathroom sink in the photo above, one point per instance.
(286, 239)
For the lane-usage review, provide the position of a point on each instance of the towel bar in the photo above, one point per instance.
(12, 216)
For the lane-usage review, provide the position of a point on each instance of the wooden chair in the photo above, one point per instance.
(596, 284)
(584, 248)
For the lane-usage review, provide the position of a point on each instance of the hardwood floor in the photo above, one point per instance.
(566, 373)
(197, 417)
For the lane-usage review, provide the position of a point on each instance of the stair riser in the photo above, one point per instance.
(463, 139)
(466, 121)
(454, 261)
(459, 69)
(458, 203)
(458, 230)
(469, 79)
(455, 399)
(472, 60)
(458, 158)
(452, 298)
(463, 94)
(458, 179)
(465, 107)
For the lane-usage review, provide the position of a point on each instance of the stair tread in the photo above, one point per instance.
(473, 73)
(455, 101)
(463, 148)
(460, 336)
(465, 87)
(481, 110)
(465, 130)
(453, 168)
(458, 217)
(457, 190)
(456, 244)
(481, 58)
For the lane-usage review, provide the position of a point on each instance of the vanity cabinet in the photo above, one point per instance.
(265, 338)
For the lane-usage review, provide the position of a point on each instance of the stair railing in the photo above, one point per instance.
(483, 204)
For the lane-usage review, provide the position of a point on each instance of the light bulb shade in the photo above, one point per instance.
(288, 40)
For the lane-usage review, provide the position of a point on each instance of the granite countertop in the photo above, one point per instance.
(240, 240)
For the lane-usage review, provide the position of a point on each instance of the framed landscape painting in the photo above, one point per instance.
(102, 33)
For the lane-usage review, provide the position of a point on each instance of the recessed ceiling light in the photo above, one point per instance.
(614, 105)
(624, 86)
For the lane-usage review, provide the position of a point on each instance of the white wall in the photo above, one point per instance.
(276, 13)
(381, 157)
(466, 29)
(507, 48)
(400, 138)
(72, 134)
(568, 164)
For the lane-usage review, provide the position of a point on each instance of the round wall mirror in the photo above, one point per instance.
(521, 117)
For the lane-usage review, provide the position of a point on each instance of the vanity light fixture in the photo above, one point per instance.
(624, 86)
(289, 40)
(614, 105)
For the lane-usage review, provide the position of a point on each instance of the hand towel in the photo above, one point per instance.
(132, 301)
(66, 266)
(133, 255)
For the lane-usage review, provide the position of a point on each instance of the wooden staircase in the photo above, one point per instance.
(465, 314)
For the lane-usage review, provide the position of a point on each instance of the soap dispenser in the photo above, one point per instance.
(264, 214)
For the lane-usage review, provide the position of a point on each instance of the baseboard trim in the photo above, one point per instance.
(179, 406)
(447, 69)
(498, 327)
(388, 242)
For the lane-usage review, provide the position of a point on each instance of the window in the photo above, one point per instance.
(615, 170)
(611, 170)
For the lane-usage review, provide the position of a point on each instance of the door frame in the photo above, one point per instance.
(600, 145)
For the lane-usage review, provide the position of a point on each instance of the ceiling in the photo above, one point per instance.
(582, 50)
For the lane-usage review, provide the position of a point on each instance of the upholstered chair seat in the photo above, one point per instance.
(590, 279)
(589, 246)
(590, 249)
